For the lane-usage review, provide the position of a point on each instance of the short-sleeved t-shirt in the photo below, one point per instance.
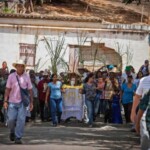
(55, 90)
(89, 91)
(128, 93)
(144, 86)
(12, 83)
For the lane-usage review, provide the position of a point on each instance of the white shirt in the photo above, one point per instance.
(125, 77)
(144, 86)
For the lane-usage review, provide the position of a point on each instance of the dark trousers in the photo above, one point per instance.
(108, 111)
(1, 114)
(127, 111)
(42, 104)
(35, 108)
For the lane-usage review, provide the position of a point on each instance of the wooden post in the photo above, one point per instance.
(31, 4)
(142, 14)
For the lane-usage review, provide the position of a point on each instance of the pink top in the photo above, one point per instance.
(101, 85)
(12, 83)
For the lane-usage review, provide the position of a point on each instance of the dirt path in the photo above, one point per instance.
(73, 135)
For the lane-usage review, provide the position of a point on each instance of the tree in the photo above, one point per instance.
(127, 53)
(82, 38)
(56, 52)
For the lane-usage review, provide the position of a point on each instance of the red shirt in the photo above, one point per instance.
(41, 90)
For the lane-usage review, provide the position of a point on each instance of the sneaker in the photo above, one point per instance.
(133, 130)
(90, 126)
(18, 141)
(12, 136)
(54, 125)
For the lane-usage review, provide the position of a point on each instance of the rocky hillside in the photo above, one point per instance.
(112, 11)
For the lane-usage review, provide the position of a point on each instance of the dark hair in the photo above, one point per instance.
(98, 73)
(4, 62)
(31, 71)
(88, 77)
(138, 74)
(12, 71)
(54, 74)
(130, 76)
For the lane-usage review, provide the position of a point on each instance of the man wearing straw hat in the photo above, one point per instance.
(13, 101)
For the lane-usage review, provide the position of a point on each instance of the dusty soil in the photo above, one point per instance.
(109, 11)
(73, 136)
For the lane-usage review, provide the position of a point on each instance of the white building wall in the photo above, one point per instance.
(10, 37)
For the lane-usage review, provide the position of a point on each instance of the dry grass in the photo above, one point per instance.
(108, 10)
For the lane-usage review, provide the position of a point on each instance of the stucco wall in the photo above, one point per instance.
(12, 35)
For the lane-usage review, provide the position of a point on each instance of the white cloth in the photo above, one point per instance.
(72, 104)
(144, 86)
(125, 77)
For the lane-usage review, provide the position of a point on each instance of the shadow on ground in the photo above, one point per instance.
(101, 136)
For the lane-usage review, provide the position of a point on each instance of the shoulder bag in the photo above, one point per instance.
(24, 95)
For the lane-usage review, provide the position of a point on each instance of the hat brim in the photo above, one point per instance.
(15, 64)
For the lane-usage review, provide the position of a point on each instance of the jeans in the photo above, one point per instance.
(90, 109)
(16, 118)
(56, 110)
(97, 104)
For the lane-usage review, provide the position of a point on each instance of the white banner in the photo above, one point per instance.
(72, 97)
(72, 104)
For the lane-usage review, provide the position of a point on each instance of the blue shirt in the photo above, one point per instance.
(55, 90)
(128, 93)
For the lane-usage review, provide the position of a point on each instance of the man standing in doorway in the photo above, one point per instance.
(14, 103)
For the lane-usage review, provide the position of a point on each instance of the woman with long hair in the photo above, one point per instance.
(54, 90)
(138, 78)
(89, 89)
(128, 91)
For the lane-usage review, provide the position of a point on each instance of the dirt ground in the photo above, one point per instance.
(112, 11)
(72, 136)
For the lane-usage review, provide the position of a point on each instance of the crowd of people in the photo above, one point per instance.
(108, 93)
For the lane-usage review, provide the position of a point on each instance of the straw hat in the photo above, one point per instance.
(19, 62)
